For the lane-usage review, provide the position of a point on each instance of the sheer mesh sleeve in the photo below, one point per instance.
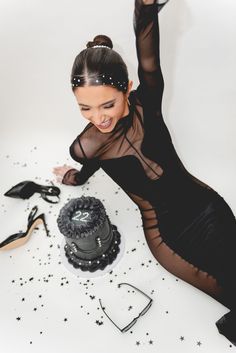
(146, 28)
(71, 177)
(89, 166)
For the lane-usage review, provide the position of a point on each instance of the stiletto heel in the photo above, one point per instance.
(42, 218)
(18, 239)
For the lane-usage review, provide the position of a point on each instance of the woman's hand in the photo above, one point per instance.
(61, 171)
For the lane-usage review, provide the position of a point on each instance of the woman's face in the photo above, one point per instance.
(103, 105)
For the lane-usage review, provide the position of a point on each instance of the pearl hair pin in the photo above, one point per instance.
(100, 46)
(102, 79)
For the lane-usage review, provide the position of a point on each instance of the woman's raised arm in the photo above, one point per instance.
(146, 28)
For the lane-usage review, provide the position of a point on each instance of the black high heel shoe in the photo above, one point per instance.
(226, 326)
(25, 189)
(18, 239)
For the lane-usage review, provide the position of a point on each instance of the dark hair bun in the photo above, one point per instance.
(100, 40)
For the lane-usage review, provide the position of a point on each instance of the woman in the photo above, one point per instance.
(189, 227)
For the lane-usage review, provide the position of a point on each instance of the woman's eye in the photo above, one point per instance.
(110, 106)
(107, 107)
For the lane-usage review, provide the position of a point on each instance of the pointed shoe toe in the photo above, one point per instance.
(22, 190)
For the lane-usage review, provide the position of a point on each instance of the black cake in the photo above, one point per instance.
(92, 242)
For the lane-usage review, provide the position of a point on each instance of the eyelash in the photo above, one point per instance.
(104, 107)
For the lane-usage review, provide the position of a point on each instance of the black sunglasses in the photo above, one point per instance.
(127, 327)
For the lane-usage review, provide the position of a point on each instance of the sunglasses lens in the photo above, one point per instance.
(128, 327)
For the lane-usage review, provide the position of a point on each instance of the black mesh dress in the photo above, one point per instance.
(189, 227)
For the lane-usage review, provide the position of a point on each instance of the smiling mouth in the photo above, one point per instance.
(106, 124)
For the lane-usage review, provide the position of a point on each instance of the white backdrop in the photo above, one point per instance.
(40, 118)
(39, 41)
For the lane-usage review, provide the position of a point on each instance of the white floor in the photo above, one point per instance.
(48, 307)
